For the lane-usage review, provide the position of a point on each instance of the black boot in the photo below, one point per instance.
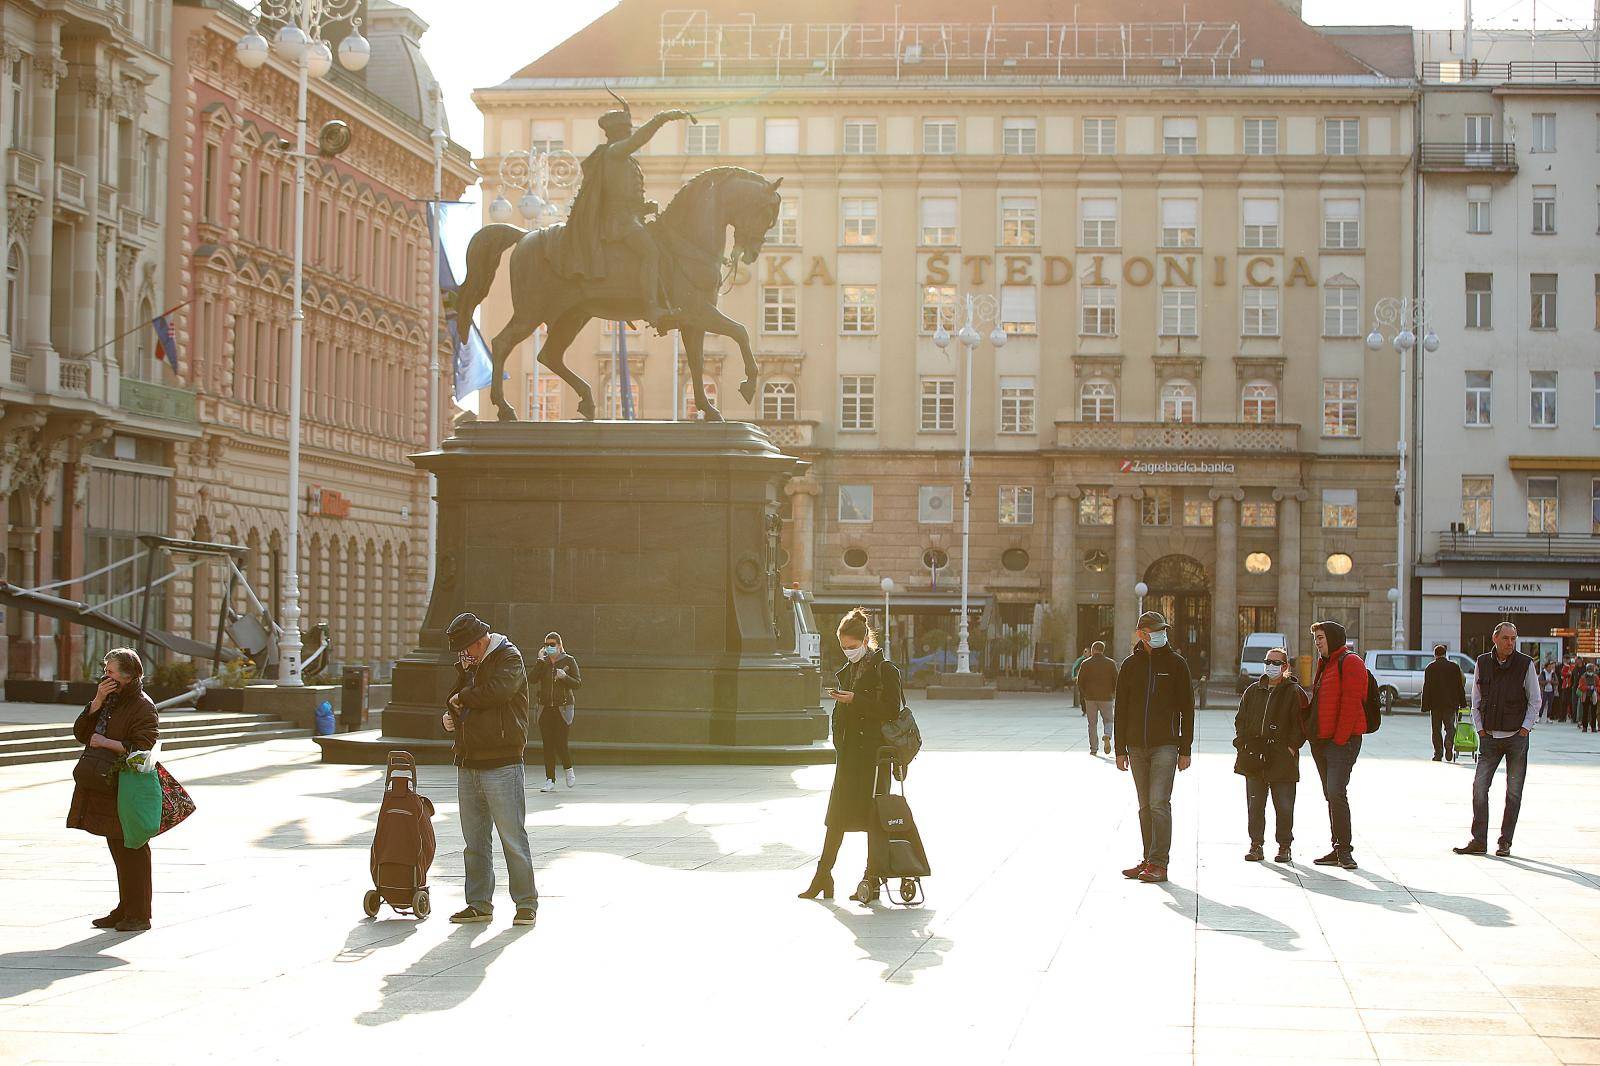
(821, 885)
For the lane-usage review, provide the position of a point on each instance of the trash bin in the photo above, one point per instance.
(353, 698)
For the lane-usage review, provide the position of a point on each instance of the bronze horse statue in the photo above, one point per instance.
(692, 235)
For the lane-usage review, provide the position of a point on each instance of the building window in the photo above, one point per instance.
(151, 185)
(1180, 136)
(1261, 223)
(1542, 394)
(208, 188)
(1477, 504)
(1260, 136)
(1019, 310)
(1341, 310)
(1096, 507)
(1180, 223)
(1019, 221)
(1199, 512)
(857, 406)
(1099, 310)
(703, 138)
(1099, 136)
(1339, 564)
(938, 221)
(1594, 515)
(613, 397)
(782, 136)
(858, 309)
(1341, 136)
(1097, 402)
(860, 219)
(1261, 402)
(935, 505)
(938, 405)
(1544, 132)
(1180, 313)
(785, 229)
(1100, 223)
(1477, 209)
(1155, 507)
(14, 294)
(547, 135)
(779, 401)
(1544, 209)
(1016, 505)
(1179, 402)
(1341, 223)
(1340, 404)
(1019, 136)
(1260, 311)
(1597, 301)
(938, 136)
(1480, 302)
(1542, 298)
(855, 503)
(938, 307)
(778, 309)
(1016, 405)
(1338, 508)
(1480, 409)
(1259, 514)
(20, 104)
(544, 401)
(1544, 505)
(860, 136)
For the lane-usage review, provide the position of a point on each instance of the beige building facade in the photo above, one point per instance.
(1182, 246)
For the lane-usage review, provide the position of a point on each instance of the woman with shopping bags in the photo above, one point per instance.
(120, 719)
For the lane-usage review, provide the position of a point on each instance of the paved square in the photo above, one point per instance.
(669, 927)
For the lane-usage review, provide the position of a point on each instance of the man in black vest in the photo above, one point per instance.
(1505, 704)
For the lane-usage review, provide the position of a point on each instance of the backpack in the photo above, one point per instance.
(1373, 704)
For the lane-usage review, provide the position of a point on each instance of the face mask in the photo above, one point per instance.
(854, 654)
(551, 650)
(1273, 670)
(1158, 640)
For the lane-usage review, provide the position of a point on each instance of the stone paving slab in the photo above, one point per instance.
(669, 928)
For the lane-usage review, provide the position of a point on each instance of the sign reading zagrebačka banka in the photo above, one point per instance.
(1175, 466)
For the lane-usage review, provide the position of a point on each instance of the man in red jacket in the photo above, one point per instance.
(1338, 719)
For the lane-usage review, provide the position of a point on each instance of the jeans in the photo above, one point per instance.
(495, 797)
(1444, 734)
(1334, 765)
(1586, 716)
(1514, 750)
(1153, 773)
(553, 730)
(133, 879)
(1255, 799)
(1102, 709)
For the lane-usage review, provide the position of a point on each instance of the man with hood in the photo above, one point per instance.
(1337, 721)
(1154, 731)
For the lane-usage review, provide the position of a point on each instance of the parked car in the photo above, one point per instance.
(1399, 673)
(1253, 656)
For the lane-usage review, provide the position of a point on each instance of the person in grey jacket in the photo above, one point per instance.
(1505, 699)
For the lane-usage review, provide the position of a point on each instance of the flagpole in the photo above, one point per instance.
(439, 137)
(143, 325)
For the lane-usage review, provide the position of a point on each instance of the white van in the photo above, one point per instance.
(1399, 672)
(1253, 656)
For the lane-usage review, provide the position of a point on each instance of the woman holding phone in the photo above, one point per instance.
(868, 695)
(121, 718)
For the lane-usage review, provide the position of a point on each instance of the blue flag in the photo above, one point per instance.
(469, 357)
(624, 384)
(166, 347)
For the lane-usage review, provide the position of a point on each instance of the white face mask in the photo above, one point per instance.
(854, 654)
(1273, 670)
(1158, 639)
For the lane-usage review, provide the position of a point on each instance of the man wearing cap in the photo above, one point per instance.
(1444, 693)
(1154, 736)
(488, 716)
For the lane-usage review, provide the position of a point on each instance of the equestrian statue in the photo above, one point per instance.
(613, 260)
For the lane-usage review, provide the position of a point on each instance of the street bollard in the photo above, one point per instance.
(353, 698)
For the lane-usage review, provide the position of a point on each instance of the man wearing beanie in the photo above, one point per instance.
(488, 717)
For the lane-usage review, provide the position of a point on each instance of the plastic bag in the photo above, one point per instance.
(142, 762)
(139, 807)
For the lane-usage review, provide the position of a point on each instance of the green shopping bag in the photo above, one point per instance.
(1466, 736)
(138, 807)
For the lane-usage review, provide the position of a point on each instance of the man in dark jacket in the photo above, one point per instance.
(1268, 732)
(1505, 708)
(489, 716)
(1444, 693)
(1154, 735)
(1097, 681)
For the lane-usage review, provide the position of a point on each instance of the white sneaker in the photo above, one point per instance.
(572, 778)
(549, 785)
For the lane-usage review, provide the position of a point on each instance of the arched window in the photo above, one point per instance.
(690, 411)
(1178, 401)
(15, 294)
(779, 402)
(1261, 402)
(1097, 402)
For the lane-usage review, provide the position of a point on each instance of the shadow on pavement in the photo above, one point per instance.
(1550, 869)
(1480, 912)
(1226, 918)
(32, 971)
(881, 932)
(374, 933)
(446, 995)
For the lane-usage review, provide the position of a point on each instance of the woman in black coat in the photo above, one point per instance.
(1269, 729)
(552, 680)
(121, 718)
(868, 696)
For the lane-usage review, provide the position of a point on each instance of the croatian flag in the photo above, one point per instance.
(469, 357)
(166, 347)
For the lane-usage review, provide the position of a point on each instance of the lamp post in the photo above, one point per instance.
(1394, 616)
(1407, 320)
(981, 307)
(887, 585)
(534, 172)
(1141, 590)
(299, 41)
(438, 137)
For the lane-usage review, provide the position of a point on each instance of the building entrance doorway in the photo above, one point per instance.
(1181, 590)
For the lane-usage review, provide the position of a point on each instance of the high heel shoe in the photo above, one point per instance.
(821, 884)
(866, 891)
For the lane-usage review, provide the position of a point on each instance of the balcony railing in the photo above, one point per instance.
(1179, 437)
(1489, 156)
(788, 433)
(24, 170)
(158, 401)
(107, 203)
(71, 188)
(1457, 71)
(73, 375)
(1556, 547)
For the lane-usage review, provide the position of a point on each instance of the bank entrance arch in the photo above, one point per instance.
(1180, 589)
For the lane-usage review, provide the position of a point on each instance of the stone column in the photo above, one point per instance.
(1064, 563)
(1225, 604)
(1288, 564)
(91, 92)
(74, 498)
(47, 72)
(1127, 568)
(802, 492)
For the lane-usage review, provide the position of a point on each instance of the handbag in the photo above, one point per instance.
(176, 804)
(1252, 758)
(139, 808)
(96, 769)
(905, 738)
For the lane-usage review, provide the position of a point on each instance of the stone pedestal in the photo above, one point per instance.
(954, 686)
(652, 548)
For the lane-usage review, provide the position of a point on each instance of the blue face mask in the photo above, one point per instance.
(551, 650)
(1158, 639)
